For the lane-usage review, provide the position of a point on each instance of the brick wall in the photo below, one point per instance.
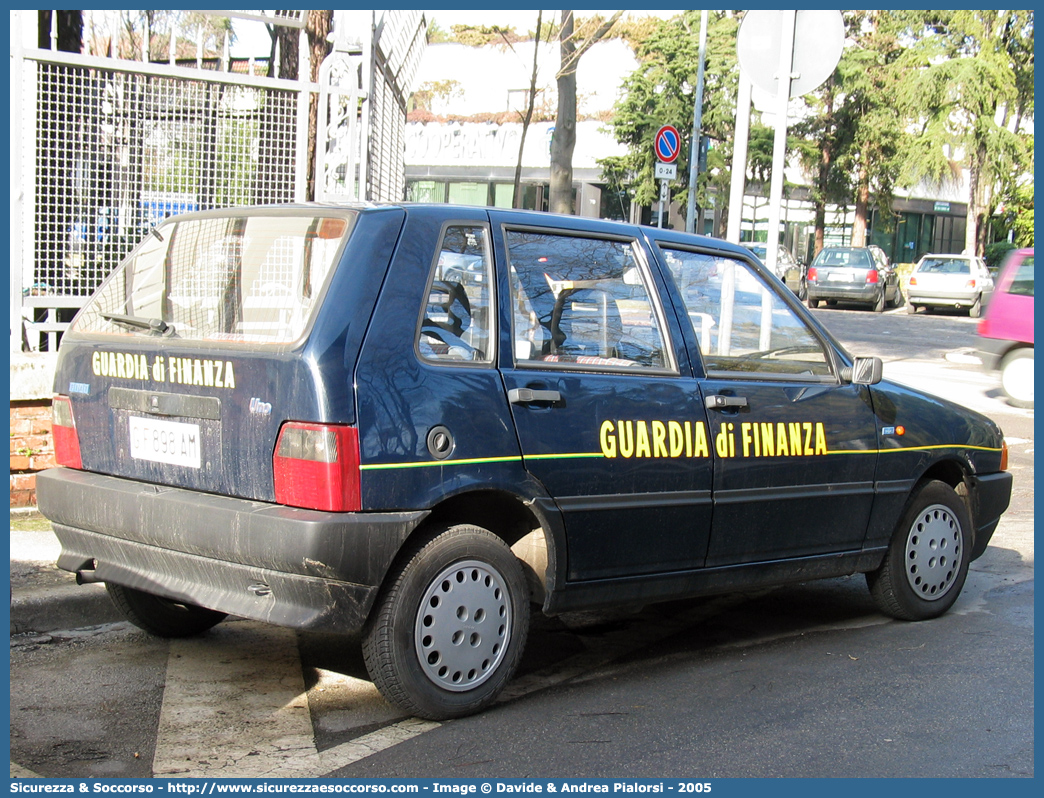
(32, 449)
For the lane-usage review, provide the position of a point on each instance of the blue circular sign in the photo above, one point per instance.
(668, 143)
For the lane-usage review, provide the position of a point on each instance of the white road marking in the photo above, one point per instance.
(967, 388)
(234, 706)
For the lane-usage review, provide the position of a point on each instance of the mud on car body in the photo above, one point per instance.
(414, 422)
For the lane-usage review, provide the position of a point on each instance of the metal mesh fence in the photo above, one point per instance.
(116, 152)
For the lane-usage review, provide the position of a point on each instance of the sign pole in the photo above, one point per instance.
(697, 123)
(779, 144)
(739, 160)
(667, 145)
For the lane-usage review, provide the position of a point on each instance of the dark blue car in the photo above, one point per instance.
(411, 422)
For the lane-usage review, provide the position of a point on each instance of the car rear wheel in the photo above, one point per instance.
(927, 560)
(812, 303)
(976, 308)
(879, 303)
(450, 629)
(161, 616)
(1016, 374)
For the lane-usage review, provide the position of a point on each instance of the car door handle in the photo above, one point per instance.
(525, 396)
(718, 402)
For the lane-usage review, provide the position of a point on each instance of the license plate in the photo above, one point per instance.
(838, 277)
(171, 442)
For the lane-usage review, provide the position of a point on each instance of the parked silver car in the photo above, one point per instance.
(853, 274)
(949, 281)
(787, 269)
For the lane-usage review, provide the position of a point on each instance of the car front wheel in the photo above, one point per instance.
(449, 631)
(161, 616)
(927, 560)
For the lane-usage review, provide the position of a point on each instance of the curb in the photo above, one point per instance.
(56, 609)
(44, 599)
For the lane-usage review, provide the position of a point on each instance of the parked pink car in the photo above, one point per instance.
(1006, 331)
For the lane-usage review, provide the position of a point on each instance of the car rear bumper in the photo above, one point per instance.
(960, 299)
(299, 568)
(856, 293)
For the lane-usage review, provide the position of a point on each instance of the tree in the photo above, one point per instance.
(661, 91)
(318, 27)
(573, 43)
(967, 87)
(868, 80)
(528, 117)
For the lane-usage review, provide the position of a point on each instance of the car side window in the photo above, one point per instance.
(1022, 283)
(741, 324)
(582, 302)
(455, 322)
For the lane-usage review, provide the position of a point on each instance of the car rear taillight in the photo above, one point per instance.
(63, 432)
(813, 274)
(872, 276)
(970, 284)
(913, 281)
(317, 466)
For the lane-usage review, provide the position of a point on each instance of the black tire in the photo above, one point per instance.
(831, 303)
(878, 305)
(812, 303)
(976, 309)
(450, 628)
(160, 616)
(927, 560)
(1017, 377)
(897, 300)
(911, 308)
(802, 291)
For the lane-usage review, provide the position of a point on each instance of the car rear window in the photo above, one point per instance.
(856, 258)
(238, 278)
(945, 266)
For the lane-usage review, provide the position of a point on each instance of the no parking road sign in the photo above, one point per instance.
(668, 143)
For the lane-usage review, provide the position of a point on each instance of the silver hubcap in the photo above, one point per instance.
(463, 625)
(933, 552)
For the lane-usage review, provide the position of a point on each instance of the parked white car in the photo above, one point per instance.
(949, 281)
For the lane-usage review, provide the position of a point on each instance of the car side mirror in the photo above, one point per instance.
(865, 371)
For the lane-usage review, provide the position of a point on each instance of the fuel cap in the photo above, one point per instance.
(440, 442)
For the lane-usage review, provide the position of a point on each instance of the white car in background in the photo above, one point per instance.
(949, 281)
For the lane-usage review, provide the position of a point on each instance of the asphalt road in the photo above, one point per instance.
(803, 681)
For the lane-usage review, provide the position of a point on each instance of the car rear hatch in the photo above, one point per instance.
(944, 278)
(185, 366)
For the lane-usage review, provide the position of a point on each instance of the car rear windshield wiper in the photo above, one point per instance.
(155, 326)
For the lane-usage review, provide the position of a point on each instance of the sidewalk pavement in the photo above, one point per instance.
(43, 598)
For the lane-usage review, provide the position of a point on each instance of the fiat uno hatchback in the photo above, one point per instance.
(411, 422)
